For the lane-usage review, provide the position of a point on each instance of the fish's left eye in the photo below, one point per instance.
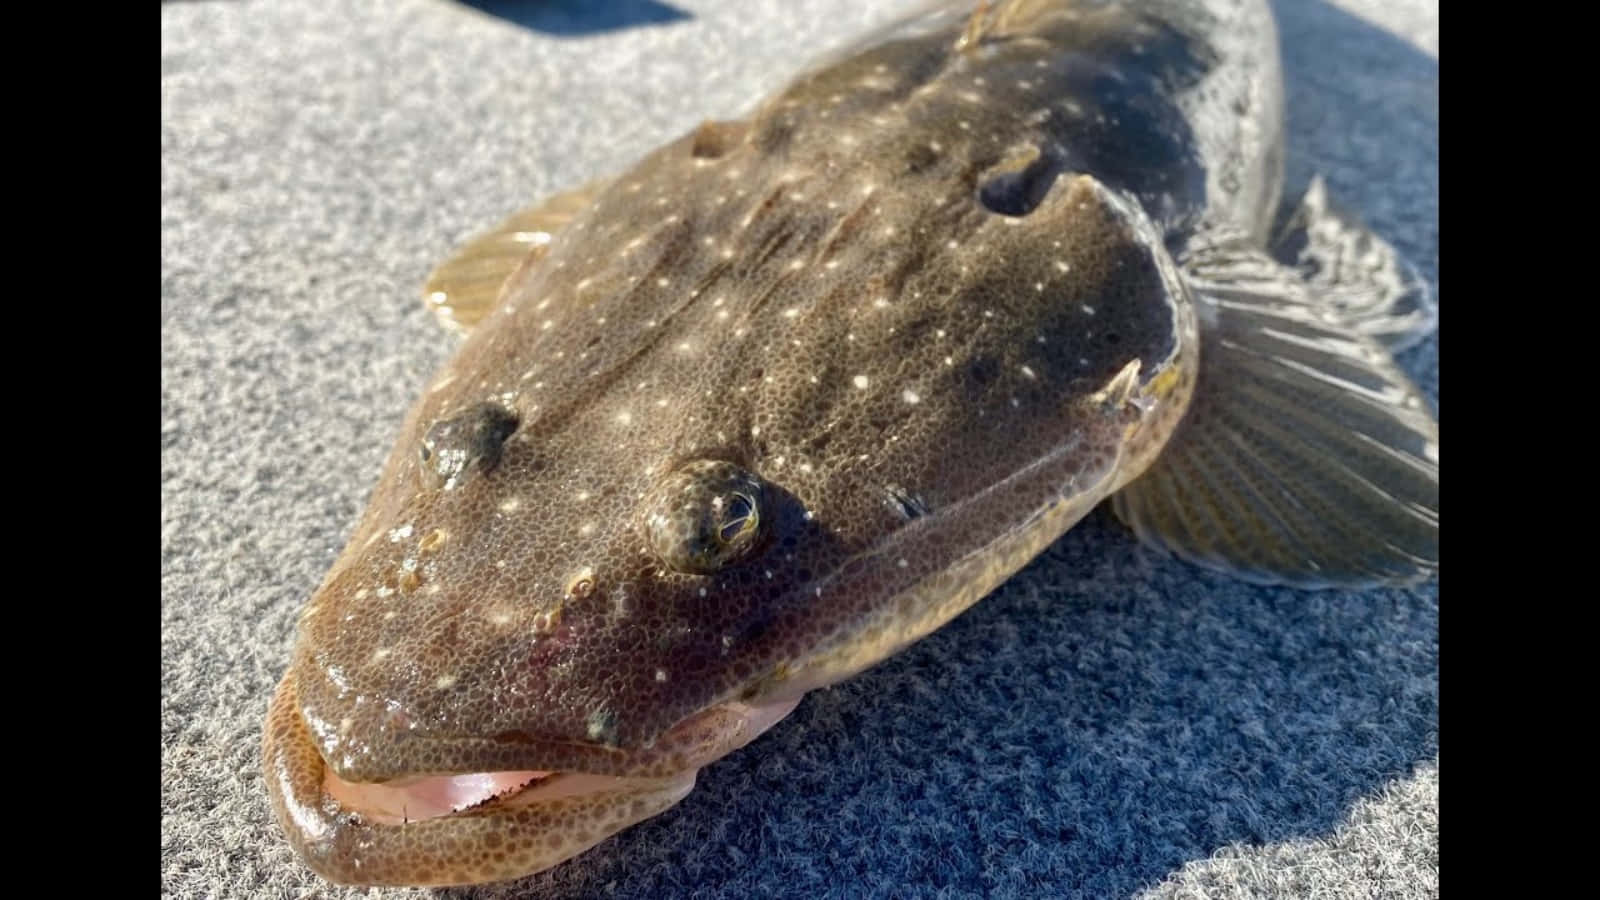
(706, 516)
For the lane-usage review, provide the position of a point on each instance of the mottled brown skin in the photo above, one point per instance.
(923, 295)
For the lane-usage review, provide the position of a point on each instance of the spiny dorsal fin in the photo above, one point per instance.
(990, 20)
(466, 287)
(1307, 457)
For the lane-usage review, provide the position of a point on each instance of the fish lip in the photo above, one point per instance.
(506, 836)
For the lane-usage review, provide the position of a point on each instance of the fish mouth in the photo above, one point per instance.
(436, 830)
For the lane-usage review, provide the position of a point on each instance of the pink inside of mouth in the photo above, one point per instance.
(432, 796)
(414, 799)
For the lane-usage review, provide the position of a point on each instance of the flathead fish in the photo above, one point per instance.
(797, 389)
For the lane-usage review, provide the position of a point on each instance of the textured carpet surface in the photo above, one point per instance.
(1110, 723)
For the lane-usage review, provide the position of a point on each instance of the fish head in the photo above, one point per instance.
(786, 397)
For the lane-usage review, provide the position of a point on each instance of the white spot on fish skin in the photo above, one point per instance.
(399, 534)
(624, 418)
(586, 529)
(1063, 266)
(1087, 309)
(1028, 372)
(903, 564)
(661, 674)
(791, 312)
(381, 654)
(881, 302)
(444, 682)
(510, 504)
(663, 282)
(582, 496)
(360, 595)
(860, 381)
(545, 325)
(910, 396)
(1038, 286)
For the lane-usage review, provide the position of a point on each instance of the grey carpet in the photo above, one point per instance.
(1109, 723)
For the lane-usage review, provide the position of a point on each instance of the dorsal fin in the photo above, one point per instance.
(465, 288)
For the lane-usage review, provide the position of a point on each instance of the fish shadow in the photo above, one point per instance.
(1109, 714)
(570, 18)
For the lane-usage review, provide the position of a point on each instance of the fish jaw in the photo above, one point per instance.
(438, 830)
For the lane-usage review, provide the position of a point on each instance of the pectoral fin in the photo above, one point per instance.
(1307, 457)
(467, 286)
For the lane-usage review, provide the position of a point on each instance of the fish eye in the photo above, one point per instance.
(469, 441)
(706, 516)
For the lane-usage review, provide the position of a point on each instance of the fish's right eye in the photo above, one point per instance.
(706, 516)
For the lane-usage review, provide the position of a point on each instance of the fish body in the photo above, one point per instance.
(799, 388)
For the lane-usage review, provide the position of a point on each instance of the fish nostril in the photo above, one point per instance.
(920, 158)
